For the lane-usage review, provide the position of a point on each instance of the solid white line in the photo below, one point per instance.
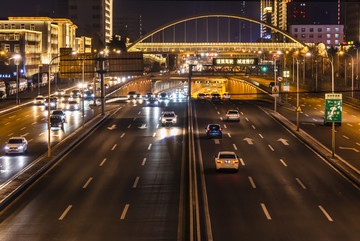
(102, 163)
(265, 211)
(149, 147)
(229, 135)
(113, 148)
(124, 211)
(23, 128)
(87, 183)
(143, 162)
(300, 183)
(136, 182)
(235, 147)
(123, 134)
(253, 127)
(314, 119)
(129, 126)
(242, 162)
(261, 136)
(271, 148)
(154, 134)
(246, 119)
(325, 213)
(30, 140)
(346, 137)
(225, 126)
(11, 134)
(33, 123)
(65, 212)
(282, 161)
(252, 182)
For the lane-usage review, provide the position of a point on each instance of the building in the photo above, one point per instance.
(273, 12)
(128, 26)
(83, 44)
(94, 19)
(330, 35)
(352, 21)
(297, 12)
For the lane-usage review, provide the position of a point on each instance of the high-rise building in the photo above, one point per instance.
(94, 19)
(128, 26)
(297, 12)
(352, 21)
(273, 12)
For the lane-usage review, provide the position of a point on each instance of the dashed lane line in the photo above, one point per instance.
(65, 212)
(325, 213)
(113, 148)
(283, 162)
(122, 135)
(129, 126)
(271, 148)
(300, 183)
(235, 147)
(136, 182)
(143, 162)
(346, 137)
(149, 147)
(261, 136)
(225, 126)
(242, 162)
(123, 215)
(103, 162)
(265, 211)
(253, 127)
(252, 182)
(229, 135)
(87, 183)
(154, 134)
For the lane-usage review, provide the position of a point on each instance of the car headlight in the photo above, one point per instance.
(20, 147)
(6, 147)
(175, 119)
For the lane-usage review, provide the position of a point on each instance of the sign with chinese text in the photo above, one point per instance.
(333, 107)
(286, 86)
(235, 61)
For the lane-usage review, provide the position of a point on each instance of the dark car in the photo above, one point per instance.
(56, 121)
(213, 130)
(76, 94)
(53, 103)
(272, 84)
(215, 97)
(88, 94)
(152, 101)
(59, 113)
(149, 95)
(131, 95)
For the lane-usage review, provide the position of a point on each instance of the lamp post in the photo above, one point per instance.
(83, 98)
(17, 62)
(352, 72)
(333, 123)
(38, 84)
(297, 96)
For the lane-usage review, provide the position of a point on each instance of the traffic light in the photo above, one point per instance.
(264, 68)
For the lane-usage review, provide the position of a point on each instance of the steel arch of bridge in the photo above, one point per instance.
(133, 45)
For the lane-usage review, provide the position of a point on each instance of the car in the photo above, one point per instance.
(107, 86)
(215, 97)
(271, 84)
(16, 145)
(149, 95)
(88, 94)
(53, 103)
(139, 96)
(232, 115)
(56, 121)
(226, 96)
(90, 87)
(2, 95)
(60, 92)
(131, 95)
(213, 130)
(72, 105)
(168, 117)
(226, 160)
(163, 97)
(152, 101)
(39, 100)
(75, 93)
(201, 96)
(60, 113)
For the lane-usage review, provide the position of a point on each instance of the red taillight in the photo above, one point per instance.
(236, 161)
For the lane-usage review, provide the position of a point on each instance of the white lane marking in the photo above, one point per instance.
(265, 211)
(129, 126)
(235, 147)
(102, 163)
(271, 148)
(354, 116)
(322, 112)
(241, 113)
(30, 140)
(136, 182)
(154, 134)
(283, 162)
(246, 119)
(87, 183)
(345, 112)
(11, 134)
(149, 147)
(283, 141)
(124, 211)
(143, 162)
(357, 143)
(122, 135)
(346, 137)
(139, 113)
(160, 118)
(314, 119)
(348, 148)
(221, 118)
(33, 123)
(18, 119)
(253, 127)
(65, 212)
(252, 182)
(325, 213)
(242, 162)
(27, 115)
(218, 113)
(7, 123)
(261, 136)
(37, 116)
(41, 134)
(10, 117)
(26, 134)
(113, 148)
(43, 119)
(315, 108)
(306, 115)
(229, 135)
(225, 126)
(217, 142)
(349, 124)
(300, 183)
(157, 126)
(135, 119)
(23, 128)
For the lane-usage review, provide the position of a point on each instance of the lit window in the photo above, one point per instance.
(328, 29)
(17, 36)
(328, 41)
(32, 27)
(6, 26)
(336, 41)
(337, 29)
(336, 35)
(328, 35)
(17, 48)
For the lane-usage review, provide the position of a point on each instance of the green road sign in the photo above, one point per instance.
(286, 87)
(333, 107)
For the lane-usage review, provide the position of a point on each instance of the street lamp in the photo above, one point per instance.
(333, 123)
(17, 58)
(352, 72)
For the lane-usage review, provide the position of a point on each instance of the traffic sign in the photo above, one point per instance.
(275, 91)
(333, 107)
(299, 109)
(280, 78)
(286, 86)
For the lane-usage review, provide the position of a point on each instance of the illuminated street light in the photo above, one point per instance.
(17, 58)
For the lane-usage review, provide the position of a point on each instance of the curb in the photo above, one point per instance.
(337, 162)
(15, 192)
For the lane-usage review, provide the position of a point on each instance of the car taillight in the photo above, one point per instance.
(236, 161)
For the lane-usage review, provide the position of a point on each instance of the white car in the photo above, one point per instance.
(232, 115)
(72, 105)
(227, 160)
(39, 100)
(16, 145)
(168, 117)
